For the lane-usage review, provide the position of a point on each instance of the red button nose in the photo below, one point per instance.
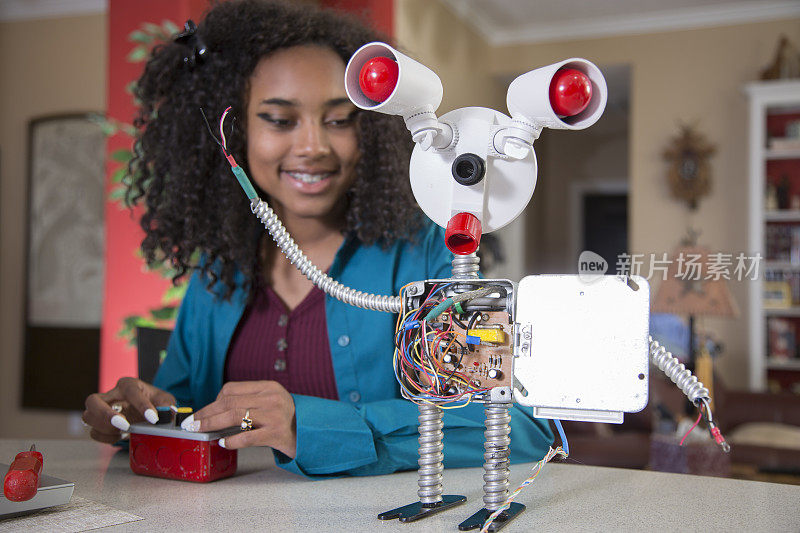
(570, 92)
(463, 234)
(378, 78)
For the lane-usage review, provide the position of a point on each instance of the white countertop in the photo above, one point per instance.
(564, 497)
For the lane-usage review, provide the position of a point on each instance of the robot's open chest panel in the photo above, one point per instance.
(450, 351)
(569, 348)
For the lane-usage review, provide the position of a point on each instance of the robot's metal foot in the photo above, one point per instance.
(477, 520)
(495, 470)
(431, 500)
(417, 510)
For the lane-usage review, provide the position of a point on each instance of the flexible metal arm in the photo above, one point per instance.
(375, 302)
(678, 373)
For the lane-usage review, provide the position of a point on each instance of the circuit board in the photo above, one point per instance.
(488, 364)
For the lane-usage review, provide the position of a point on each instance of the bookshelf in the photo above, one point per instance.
(774, 232)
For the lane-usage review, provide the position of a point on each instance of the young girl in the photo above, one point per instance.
(254, 338)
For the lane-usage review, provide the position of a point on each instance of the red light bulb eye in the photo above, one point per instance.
(570, 92)
(378, 78)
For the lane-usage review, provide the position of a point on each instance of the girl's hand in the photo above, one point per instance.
(131, 400)
(271, 410)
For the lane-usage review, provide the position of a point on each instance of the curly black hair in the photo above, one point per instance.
(192, 201)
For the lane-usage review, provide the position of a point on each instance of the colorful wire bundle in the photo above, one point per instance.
(420, 348)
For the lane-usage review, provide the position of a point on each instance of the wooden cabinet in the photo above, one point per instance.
(774, 227)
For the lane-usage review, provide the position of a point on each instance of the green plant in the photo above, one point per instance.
(144, 38)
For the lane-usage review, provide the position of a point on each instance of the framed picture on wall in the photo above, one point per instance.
(65, 254)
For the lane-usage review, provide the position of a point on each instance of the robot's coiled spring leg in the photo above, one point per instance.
(495, 465)
(496, 445)
(430, 416)
(495, 470)
(430, 455)
(431, 447)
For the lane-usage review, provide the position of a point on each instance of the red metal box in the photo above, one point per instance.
(173, 453)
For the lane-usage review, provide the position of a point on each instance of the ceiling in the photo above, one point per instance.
(507, 22)
(503, 22)
(528, 21)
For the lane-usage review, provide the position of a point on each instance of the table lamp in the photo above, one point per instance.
(686, 291)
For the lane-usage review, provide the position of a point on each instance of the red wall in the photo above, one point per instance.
(128, 289)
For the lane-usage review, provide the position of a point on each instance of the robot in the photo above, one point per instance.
(569, 348)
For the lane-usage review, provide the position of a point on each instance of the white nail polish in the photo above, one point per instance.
(222, 443)
(125, 436)
(190, 424)
(151, 416)
(119, 422)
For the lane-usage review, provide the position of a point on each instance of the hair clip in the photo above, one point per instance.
(190, 38)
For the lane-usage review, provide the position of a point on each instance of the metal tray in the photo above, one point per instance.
(52, 491)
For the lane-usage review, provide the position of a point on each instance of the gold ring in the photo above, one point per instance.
(247, 422)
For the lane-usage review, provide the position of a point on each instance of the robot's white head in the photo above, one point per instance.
(474, 170)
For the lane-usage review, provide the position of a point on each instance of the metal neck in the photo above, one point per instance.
(466, 266)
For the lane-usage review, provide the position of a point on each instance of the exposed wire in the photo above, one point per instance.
(699, 416)
(562, 450)
(222, 130)
(707, 412)
(560, 428)
(241, 177)
(535, 472)
(211, 132)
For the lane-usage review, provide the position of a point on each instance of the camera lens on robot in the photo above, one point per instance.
(468, 169)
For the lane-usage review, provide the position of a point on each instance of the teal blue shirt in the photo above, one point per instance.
(370, 429)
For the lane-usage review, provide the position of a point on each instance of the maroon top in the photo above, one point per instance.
(271, 343)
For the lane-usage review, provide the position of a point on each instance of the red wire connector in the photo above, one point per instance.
(718, 438)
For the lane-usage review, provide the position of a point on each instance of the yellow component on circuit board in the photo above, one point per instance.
(490, 335)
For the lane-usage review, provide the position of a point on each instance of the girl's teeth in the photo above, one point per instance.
(308, 178)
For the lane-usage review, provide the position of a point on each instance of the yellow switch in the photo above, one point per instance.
(490, 335)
